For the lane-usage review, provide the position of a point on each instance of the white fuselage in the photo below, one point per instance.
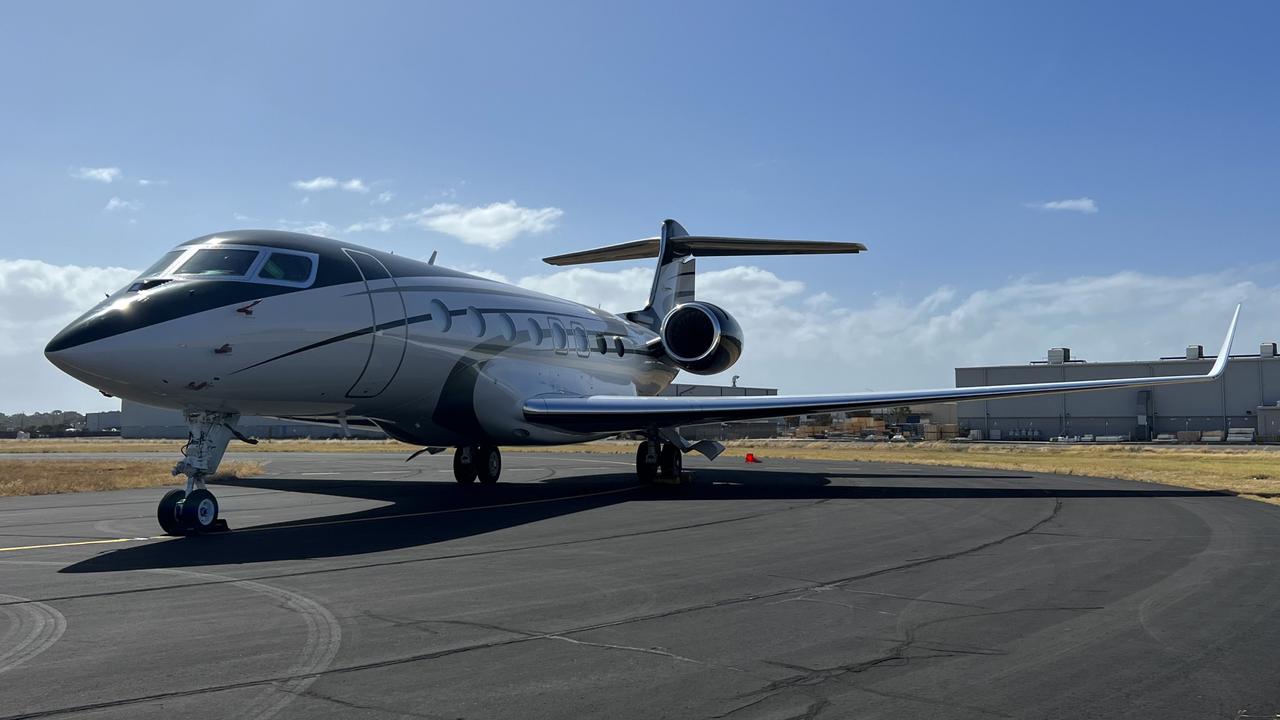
(437, 358)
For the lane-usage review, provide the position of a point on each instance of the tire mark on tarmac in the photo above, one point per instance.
(434, 558)
(324, 637)
(36, 627)
(422, 657)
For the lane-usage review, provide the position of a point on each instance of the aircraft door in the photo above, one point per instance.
(387, 341)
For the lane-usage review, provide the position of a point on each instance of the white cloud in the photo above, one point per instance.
(50, 297)
(309, 227)
(383, 198)
(242, 217)
(378, 224)
(102, 174)
(324, 182)
(491, 226)
(317, 183)
(116, 203)
(801, 341)
(145, 182)
(1081, 205)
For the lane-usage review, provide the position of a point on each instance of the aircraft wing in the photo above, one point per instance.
(616, 413)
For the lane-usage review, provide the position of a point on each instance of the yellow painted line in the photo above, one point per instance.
(104, 541)
(322, 523)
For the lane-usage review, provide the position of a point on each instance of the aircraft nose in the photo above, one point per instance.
(69, 350)
(80, 332)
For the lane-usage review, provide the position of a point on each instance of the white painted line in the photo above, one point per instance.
(319, 473)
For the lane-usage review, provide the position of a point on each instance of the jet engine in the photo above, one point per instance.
(701, 338)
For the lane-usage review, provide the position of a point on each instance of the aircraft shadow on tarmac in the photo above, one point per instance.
(422, 513)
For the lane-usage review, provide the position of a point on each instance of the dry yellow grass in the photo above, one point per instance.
(1252, 472)
(46, 477)
(110, 445)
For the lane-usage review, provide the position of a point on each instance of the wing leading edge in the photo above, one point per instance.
(616, 413)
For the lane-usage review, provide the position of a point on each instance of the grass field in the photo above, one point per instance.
(1251, 472)
(45, 477)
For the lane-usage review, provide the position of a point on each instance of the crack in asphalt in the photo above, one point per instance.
(802, 680)
(412, 561)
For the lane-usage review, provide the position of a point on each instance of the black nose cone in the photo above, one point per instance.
(81, 331)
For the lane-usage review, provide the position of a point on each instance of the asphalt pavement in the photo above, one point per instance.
(359, 586)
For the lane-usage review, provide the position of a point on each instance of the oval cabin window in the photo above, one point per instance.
(506, 327)
(441, 318)
(475, 322)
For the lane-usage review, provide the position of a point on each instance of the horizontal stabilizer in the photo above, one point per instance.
(704, 246)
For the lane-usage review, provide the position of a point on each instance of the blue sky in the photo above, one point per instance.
(933, 132)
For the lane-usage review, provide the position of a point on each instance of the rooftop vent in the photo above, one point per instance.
(1267, 350)
(1058, 356)
(1195, 352)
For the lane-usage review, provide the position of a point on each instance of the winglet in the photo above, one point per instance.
(1220, 364)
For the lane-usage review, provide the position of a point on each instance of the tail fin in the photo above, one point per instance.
(675, 248)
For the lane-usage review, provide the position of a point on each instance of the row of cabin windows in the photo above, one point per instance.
(475, 321)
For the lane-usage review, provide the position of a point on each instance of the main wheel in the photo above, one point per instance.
(464, 466)
(488, 463)
(670, 461)
(646, 469)
(199, 510)
(168, 512)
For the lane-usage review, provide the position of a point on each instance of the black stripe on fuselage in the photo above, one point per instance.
(639, 350)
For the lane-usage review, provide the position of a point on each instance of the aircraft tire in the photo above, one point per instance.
(488, 463)
(463, 471)
(168, 511)
(646, 471)
(670, 462)
(199, 510)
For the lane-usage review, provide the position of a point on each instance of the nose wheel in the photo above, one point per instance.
(183, 513)
(477, 462)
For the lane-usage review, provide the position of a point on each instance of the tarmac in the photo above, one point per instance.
(359, 586)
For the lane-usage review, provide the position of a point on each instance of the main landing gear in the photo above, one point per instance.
(477, 462)
(195, 509)
(659, 462)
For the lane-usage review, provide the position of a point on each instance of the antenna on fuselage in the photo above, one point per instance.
(432, 259)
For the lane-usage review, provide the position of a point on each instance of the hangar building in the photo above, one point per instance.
(1247, 396)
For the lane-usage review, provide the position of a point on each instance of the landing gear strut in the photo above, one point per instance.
(195, 509)
(658, 461)
(477, 462)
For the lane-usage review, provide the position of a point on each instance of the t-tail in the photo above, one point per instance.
(676, 250)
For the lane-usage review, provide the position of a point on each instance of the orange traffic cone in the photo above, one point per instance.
(751, 458)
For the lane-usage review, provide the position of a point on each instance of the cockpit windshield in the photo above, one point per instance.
(218, 262)
(286, 267)
(162, 264)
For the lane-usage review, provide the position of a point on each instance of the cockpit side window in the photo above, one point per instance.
(218, 262)
(286, 267)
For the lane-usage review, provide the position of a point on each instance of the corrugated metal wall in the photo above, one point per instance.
(1233, 401)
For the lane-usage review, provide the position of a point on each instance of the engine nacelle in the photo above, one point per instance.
(701, 338)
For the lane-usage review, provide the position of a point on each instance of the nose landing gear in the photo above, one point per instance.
(477, 462)
(195, 509)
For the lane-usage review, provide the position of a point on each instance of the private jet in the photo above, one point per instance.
(295, 326)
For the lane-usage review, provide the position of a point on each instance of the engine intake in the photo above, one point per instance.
(701, 338)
